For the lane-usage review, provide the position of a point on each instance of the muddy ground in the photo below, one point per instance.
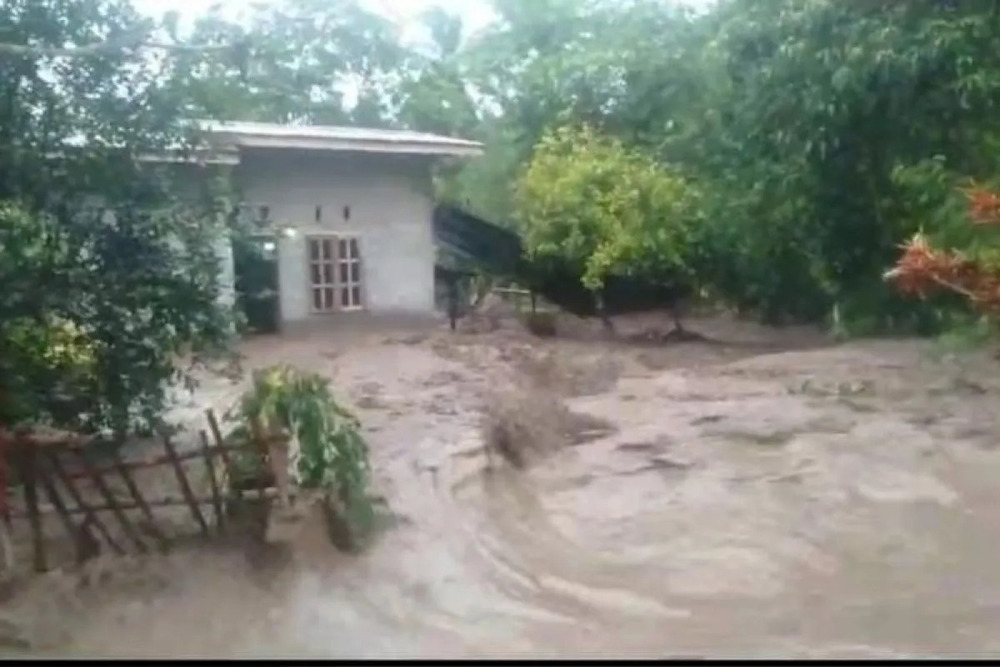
(766, 493)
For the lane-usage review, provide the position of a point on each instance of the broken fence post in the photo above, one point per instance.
(24, 456)
(90, 516)
(213, 484)
(182, 480)
(97, 478)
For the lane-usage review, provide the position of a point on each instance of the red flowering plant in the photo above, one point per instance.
(922, 268)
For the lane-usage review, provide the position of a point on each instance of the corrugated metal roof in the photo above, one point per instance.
(320, 137)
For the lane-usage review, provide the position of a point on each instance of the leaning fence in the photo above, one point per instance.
(107, 504)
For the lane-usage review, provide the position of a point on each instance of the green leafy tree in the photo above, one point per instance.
(821, 102)
(433, 96)
(605, 209)
(301, 56)
(109, 275)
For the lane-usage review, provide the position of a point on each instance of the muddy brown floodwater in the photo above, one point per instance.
(770, 496)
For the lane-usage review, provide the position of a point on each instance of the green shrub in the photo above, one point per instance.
(333, 455)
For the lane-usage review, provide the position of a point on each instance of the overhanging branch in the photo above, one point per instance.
(133, 40)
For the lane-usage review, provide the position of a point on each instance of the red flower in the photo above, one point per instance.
(984, 206)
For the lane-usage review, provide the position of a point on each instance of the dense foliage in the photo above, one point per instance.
(805, 125)
(826, 102)
(797, 144)
(108, 275)
(604, 209)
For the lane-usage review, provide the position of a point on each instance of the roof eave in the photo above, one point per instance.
(171, 157)
(463, 149)
(178, 157)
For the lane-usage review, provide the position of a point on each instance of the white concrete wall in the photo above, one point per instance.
(391, 208)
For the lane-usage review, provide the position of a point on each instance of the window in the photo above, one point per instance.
(334, 274)
(350, 274)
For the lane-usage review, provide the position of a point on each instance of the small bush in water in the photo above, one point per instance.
(332, 456)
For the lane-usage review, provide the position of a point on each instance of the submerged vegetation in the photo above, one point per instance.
(329, 454)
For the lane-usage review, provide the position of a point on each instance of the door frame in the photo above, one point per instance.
(262, 237)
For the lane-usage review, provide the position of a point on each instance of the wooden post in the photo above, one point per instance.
(6, 544)
(278, 445)
(143, 506)
(210, 465)
(213, 424)
(5, 443)
(90, 515)
(259, 437)
(87, 546)
(453, 302)
(56, 499)
(102, 487)
(185, 486)
(25, 457)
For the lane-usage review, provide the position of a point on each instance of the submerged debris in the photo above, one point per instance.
(522, 425)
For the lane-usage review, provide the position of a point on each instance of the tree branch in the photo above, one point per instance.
(133, 40)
